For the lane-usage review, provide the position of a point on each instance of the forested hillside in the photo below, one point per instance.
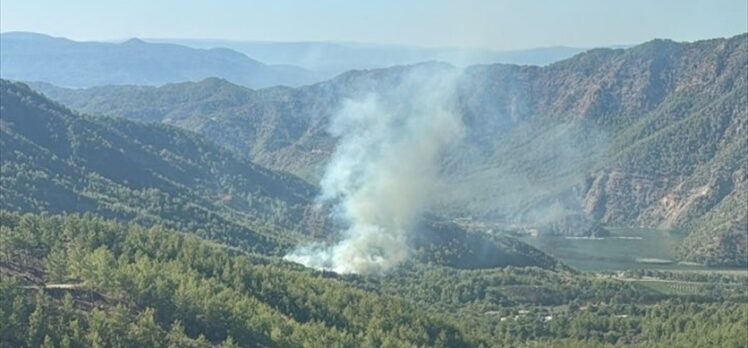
(85, 281)
(389, 174)
(54, 160)
(648, 136)
(82, 281)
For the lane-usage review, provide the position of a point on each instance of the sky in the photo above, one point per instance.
(435, 23)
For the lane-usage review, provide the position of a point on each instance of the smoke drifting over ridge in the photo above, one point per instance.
(384, 169)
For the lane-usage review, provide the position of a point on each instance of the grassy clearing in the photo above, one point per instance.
(618, 252)
(673, 287)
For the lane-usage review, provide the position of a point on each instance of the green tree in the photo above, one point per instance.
(229, 343)
(176, 337)
(57, 265)
(48, 343)
(36, 326)
(97, 333)
(144, 332)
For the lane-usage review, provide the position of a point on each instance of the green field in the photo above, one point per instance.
(626, 248)
(673, 287)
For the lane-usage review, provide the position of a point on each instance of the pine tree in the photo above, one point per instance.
(176, 336)
(97, 329)
(48, 343)
(229, 343)
(144, 331)
(35, 328)
(74, 331)
(65, 341)
(57, 265)
(202, 342)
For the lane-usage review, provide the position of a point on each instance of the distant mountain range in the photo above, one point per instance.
(332, 58)
(650, 136)
(38, 57)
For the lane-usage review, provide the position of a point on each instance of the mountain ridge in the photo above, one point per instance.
(333, 58)
(58, 162)
(643, 131)
(39, 57)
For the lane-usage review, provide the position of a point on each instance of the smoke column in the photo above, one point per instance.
(384, 170)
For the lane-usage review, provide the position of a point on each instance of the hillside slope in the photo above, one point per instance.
(648, 136)
(56, 161)
(84, 281)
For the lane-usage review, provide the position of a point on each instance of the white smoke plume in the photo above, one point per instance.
(384, 170)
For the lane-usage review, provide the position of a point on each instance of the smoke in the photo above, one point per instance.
(535, 175)
(385, 169)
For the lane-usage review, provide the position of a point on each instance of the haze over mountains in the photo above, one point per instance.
(38, 57)
(63, 62)
(332, 58)
(646, 136)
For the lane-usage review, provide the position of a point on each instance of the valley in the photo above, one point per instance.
(660, 147)
(624, 249)
(177, 194)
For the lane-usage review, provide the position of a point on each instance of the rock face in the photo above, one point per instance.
(648, 136)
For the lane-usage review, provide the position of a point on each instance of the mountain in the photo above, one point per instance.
(56, 161)
(117, 233)
(38, 57)
(250, 121)
(649, 136)
(333, 58)
(664, 129)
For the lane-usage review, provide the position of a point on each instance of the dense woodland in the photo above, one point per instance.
(82, 281)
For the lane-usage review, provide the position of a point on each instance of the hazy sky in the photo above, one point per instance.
(463, 23)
